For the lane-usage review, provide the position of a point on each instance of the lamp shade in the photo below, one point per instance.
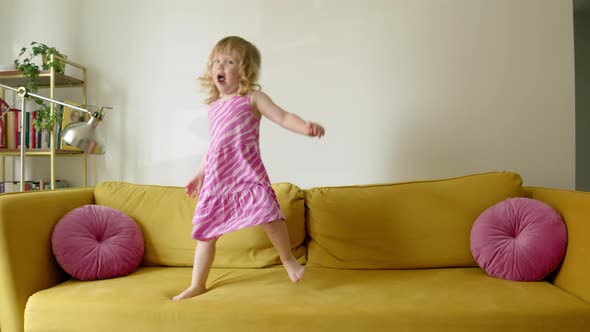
(86, 136)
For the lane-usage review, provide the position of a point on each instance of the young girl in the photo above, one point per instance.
(233, 187)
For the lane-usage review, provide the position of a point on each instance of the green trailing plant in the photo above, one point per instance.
(26, 63)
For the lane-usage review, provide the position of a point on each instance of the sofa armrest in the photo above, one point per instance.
(27, 264)
(573, 275)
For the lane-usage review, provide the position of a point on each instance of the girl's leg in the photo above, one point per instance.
(204, 255)
(279, 236)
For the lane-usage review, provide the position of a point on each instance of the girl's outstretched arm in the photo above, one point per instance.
(265, 106)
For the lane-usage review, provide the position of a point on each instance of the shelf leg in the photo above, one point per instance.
(22, 144)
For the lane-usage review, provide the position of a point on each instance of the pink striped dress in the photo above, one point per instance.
(236, 192)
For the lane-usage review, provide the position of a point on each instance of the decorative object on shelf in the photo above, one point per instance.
(71, 116)
(25, 63)
(86, 136)
(31, 185)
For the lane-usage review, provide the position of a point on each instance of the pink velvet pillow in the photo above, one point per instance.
(519, 239)
(97, 242)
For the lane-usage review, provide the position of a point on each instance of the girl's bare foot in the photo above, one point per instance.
(190, 292)
(294, 269)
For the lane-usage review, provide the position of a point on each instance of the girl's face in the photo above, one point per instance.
(226, 73)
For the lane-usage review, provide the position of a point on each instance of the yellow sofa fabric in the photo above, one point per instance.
(400, 226)
(460, 299)
(573, 274)
(27, 264)
(164, 215)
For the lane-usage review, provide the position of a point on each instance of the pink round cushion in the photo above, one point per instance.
(97, 242)
(519, 239)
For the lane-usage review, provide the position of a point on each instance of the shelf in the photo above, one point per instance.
(39, 152)
(15, 79)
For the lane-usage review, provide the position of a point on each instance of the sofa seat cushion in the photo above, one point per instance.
(460, 299)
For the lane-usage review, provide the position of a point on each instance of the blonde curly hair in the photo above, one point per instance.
(249, 61)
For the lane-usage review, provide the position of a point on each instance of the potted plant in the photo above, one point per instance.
(26, 64)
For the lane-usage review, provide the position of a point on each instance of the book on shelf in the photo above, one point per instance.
(4, 107)
(11, 122)
(2, 133)
(8, 124)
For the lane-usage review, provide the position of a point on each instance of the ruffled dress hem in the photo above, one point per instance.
(250, 207)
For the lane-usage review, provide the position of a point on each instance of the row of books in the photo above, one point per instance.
(10, 128)
(10, 125)
(14, 186)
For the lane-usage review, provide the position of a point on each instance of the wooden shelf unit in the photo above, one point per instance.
(49, 79)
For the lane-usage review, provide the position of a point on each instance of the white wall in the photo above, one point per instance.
(407, 89)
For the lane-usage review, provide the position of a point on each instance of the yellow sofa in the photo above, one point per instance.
(388, 257)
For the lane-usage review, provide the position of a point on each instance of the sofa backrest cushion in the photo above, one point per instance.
(423, 224)
(164, 215)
